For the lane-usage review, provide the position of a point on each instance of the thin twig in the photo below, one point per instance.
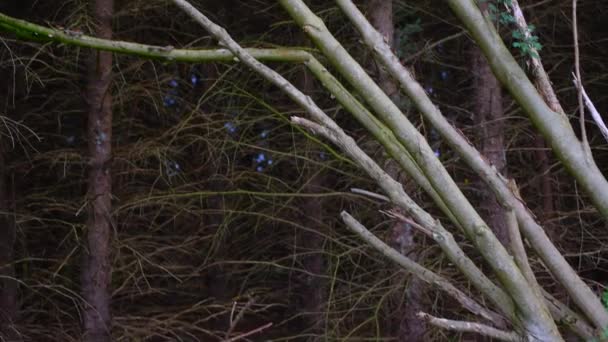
(419, 271)
(397, 215)
(591, 107)
(462, 326)
(234, 321)
(579, 84)
(370, 194)
(431, 46)
(249, 333)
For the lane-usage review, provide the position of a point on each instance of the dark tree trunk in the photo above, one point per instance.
(380, 13)
(545, 186)
(8, 286)
(312, 241)
(10, 90)
(313, 261)
(96, 275)
(489, 116)
(405, 325)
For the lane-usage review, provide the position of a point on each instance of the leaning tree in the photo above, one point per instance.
(512, 304)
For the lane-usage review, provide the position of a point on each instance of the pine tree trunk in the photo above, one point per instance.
(380, 15)
(313, 262)
(406, 326)
(545, 187)
(96, 275)
(311, 241)
(8, 286)
(489, 117)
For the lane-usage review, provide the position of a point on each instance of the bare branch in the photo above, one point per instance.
(350, 147)
(591, 107)
(462, 326)
(579, 85)
(370, 194)
(554, 127)
(290, 55)
(564, 315)
(485, 241)
(249, 333)
(167, 53)
(540, 75)
(419, 271)
(559, 267)
(396, 194)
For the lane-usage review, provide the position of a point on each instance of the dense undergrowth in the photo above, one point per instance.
(226, 216)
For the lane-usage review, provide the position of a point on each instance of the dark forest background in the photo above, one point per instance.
(225, 217)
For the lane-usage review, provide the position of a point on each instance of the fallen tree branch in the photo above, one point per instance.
(554, 126)
(419, 271)
(493, 292)
(559, 267)
(397, 195)
(370, 194)
(531, 308)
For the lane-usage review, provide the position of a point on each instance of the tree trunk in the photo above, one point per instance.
(380, 13)
(405, 325)
(313, 262)
(312, 240)
(489, 117)
(555, 127)
(96, 275)
(8, 286)
(532, 310)
(546, 190)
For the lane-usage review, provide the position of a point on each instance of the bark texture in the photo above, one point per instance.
(97, 271)
(8, 286)
(546, 189)
(532, 310)
(312, 240)
(567, 276)
(380, 13)
(489, 118)
(313, 262)
(405, 324)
